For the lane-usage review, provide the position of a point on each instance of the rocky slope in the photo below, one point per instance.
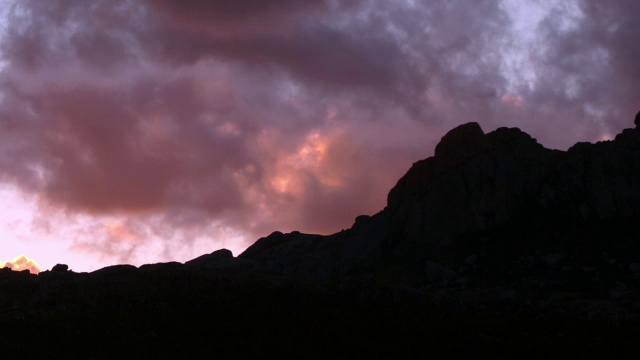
(475, 186)
(494, 245)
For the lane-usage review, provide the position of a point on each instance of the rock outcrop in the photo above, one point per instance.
(218, 258)
(473, 183)
(322, 257)
(60, 268)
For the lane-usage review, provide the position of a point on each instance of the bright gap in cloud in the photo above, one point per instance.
(517, 65)
(21, 233)
(527, 41)
(87, 243)
(5, 6)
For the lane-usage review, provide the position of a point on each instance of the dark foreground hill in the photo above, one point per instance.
(495, 245)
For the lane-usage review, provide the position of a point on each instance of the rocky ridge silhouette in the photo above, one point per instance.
(475, 184)
(494, 245)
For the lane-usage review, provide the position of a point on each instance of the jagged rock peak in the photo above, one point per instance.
(476, 182)
(469, 140)
(60, 268)
(461, 143)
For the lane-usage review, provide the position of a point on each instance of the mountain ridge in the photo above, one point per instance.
(493, 246)
(474, 183)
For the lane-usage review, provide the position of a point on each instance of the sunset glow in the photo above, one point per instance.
(21, 263)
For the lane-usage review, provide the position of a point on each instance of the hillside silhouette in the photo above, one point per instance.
(495, 245)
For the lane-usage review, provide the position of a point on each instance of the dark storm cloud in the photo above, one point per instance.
(133, 146)
(50, 33)
(192, 117)
(283, 36)
(204, 13)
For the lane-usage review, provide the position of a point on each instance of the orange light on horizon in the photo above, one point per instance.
(21, 263)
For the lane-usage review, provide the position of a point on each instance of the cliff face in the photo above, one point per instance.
(476, 182)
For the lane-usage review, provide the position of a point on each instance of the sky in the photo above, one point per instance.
(143, 131)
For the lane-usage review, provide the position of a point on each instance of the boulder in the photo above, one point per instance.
(60, 268)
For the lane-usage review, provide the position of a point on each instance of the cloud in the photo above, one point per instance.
(21, 263)
(239, 18)
(161, 125)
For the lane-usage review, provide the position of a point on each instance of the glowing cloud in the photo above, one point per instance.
(515, 100)
(21, 263)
